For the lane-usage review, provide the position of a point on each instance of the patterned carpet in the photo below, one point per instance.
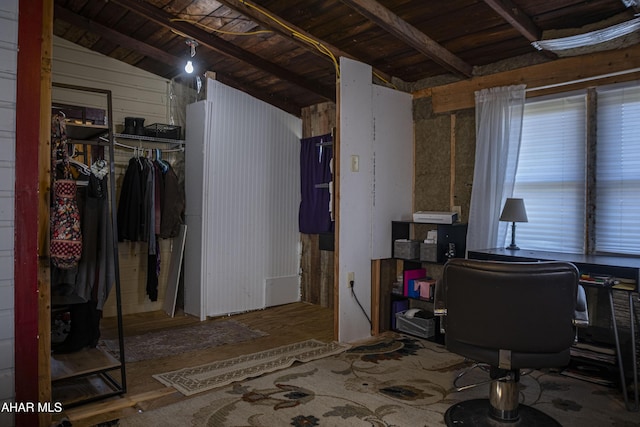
(157, 344)
(399, 381)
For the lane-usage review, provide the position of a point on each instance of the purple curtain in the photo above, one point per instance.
(315, 157)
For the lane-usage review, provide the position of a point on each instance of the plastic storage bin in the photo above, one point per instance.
(424, 327)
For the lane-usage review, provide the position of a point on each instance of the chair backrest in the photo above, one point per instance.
(524, 308)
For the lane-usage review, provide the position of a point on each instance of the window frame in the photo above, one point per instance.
(591, 148)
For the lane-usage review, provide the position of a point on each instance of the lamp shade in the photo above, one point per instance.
(514, 211)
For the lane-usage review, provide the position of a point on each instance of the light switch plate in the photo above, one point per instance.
(355, 163)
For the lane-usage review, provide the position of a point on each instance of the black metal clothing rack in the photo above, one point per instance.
(112, 385)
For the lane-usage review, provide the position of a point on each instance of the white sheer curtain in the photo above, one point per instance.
(498, 131)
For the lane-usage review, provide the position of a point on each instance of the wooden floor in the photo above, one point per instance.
(284, 325)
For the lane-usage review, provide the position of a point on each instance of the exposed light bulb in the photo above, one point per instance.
(189, 67)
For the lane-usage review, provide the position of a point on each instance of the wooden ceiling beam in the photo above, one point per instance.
(249, 10)
(115, 36)
(223, 47)
(519, 20)
(516, 18)
(166, 58)
(576, 71)
(409, 34)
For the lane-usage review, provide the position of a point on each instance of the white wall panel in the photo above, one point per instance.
(6, 266)
(250, 199)
(356, 139)
(375, 125)
(6, 295)
(8, 73)
(196, 174)
(393, 165)
(6, 324)
(6, 383)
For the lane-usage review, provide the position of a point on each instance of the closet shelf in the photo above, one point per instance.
(80, 363)
(85, 131)
(148, 138)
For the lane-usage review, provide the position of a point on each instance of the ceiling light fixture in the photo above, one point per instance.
(192, 45)
(589, 39)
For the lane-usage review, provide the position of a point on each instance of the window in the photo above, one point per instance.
(618, 172)
(552, 176)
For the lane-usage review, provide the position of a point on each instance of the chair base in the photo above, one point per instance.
(476, 413)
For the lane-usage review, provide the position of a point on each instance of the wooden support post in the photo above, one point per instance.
(375, 296)
(31, 297)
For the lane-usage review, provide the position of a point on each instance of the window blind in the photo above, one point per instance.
(551, 175)
(618, 171)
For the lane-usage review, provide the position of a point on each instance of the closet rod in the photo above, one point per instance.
(130, 147)
(164, 150)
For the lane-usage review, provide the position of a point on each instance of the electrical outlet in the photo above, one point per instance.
(350, 279)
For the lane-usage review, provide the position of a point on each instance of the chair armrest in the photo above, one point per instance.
(581, 315)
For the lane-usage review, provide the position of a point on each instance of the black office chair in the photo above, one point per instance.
(509, 316)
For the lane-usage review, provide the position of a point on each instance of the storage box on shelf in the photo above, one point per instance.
(406, 249)
(80, 114)
(389, 281)
(420, 323)
(159, 130)
(428, 252)
(450, 243)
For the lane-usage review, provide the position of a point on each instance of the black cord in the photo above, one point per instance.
(360, 305)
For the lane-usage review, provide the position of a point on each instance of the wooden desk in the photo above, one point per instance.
(618, 267)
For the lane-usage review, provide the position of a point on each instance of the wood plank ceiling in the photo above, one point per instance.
(285, 52)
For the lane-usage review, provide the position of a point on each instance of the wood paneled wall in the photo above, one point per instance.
(317, 266)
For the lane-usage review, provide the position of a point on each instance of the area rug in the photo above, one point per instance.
(400, 381)
(158, 344)
(217, 374)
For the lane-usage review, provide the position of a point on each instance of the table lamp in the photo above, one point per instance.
(514, 211)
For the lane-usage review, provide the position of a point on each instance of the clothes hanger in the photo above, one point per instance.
(79, 165)
(136, 154)
(164, 166)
